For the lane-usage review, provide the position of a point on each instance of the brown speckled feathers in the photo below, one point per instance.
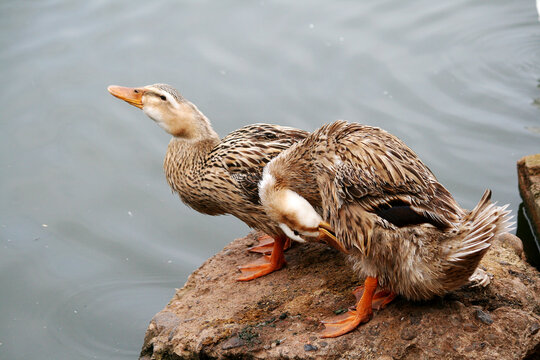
(397, 222)
(245, 152)
(221, 177)
(373, 172)
(375, 169)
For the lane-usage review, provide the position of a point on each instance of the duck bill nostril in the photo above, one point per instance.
(132, 96)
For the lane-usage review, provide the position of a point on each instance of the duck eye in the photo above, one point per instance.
(296, 233)
(162, 97)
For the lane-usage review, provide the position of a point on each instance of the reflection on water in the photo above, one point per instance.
(92, 241)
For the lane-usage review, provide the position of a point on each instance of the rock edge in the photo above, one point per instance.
(277, 316)
(529, 187)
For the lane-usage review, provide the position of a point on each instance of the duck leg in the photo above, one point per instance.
(380, 298)
(344, 323)
(267, 264)
(266, 245)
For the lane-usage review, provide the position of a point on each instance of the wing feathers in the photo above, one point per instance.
(245, 152)
(377, 171)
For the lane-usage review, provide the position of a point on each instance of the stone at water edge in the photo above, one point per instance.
(529, 187)
(278, 316)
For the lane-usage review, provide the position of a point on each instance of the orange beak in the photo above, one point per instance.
(132, 96)
(327, 234)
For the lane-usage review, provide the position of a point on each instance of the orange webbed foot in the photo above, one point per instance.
(266, 264)
(261, 267)
(266, 244)
(347, 322)
(382, 298)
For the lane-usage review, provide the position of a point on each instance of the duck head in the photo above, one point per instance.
(294, 214)
(170, 110)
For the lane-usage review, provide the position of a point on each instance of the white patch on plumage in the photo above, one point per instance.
(290, 234)
(302, 209)
(291, 205)
(266, 182)
(155, 114)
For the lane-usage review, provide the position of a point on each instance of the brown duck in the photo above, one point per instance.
(216, 176)
(401, 228)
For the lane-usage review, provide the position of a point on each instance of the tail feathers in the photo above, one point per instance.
(477, 229)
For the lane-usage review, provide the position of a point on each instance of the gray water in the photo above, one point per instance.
(93, 243)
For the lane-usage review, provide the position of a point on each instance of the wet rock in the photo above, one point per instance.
(309, 347)
(374, 330)
(470, 327)
(529, 187)
(534, 328)
(213, 316)
(475, 346)
(483, 317)
(232, 343)
(408, 334)
(415, 319)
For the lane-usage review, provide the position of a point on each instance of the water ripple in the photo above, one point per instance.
(113, 312)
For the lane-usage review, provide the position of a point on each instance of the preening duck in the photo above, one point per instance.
(401, 228)
(216, 176)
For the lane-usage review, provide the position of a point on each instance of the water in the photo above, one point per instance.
(93, 243)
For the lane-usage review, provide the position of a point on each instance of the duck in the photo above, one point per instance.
(399, 227)
(217, 176)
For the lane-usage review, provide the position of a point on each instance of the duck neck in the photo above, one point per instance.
(272, 191)
(195, 128)
(186, 156)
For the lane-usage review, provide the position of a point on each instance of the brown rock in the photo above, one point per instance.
(483, 317)
(529, 187)
(513, 242)
(408, 334)
(232, 343)
(277, 316)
